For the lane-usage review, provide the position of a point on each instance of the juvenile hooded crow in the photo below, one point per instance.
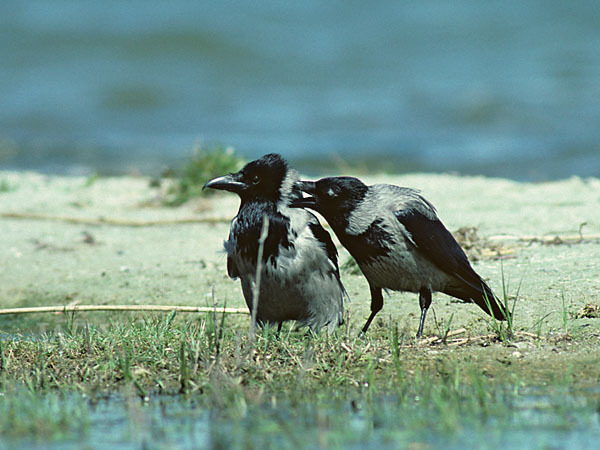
(300, 278)
(399, 243)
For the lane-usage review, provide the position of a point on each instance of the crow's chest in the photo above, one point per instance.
(244, 239)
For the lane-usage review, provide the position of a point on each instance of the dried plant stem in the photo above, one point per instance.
(552, 239)
(435, 340)
(571, 238)
(259, 266)
(431, 340)
(90, 308)
(113, 221)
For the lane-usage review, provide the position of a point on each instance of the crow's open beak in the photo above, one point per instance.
(308, 187)
(231, 183)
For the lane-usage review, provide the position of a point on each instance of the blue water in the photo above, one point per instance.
(555, 421)
(507, 88)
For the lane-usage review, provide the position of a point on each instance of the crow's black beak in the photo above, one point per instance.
(308, 187)
(231, 183)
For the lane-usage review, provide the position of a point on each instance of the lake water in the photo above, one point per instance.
(530, 419)
(498, 88)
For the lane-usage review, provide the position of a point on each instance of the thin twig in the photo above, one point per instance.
(113, 221)
(431, 340)
(259, 265)
(525, 333)
(292, 354)
(89, 308)
(574, 238)
(569, 238)
(468, 340)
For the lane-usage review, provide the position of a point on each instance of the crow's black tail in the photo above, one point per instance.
(481, 295)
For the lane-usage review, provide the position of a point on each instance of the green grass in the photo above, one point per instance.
(284, 390)
(202, 166)
(170, 353)
(5, 186)
(350, 267)
(505, 329)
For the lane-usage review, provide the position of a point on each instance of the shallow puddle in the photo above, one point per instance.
(523, 419)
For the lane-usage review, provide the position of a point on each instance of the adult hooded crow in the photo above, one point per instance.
(399, 243)
(300, 278)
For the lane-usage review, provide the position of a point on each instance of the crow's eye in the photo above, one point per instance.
(255, 179)
(332, 192)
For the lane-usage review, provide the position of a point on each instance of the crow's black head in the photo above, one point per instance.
(263, 178)
(334, 198)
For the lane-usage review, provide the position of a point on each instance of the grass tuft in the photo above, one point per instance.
(350, 267)
(202, 166)
(504, 329)
(5, 186)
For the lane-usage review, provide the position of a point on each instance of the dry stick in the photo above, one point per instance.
(261, 247)
(213, 220)
(569, 238)
(88, 308)
(473, 339)
(433, 339)
(113, 221)
(525, 333)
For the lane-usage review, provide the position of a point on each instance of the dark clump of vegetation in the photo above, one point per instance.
(5, 186)
(203, 165)
(350, 266)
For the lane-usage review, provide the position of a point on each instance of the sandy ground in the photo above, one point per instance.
(66, 239)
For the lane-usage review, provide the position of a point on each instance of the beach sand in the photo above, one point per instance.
(109, 241)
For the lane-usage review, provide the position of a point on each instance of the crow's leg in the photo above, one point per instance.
(376, 305)
(424, 302)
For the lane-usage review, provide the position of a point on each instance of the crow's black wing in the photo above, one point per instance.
(437, 244)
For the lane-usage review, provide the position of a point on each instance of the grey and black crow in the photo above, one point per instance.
(399, 243)
(300, 278)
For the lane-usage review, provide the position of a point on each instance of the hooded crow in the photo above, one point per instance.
(300, 278)
(399, 243)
